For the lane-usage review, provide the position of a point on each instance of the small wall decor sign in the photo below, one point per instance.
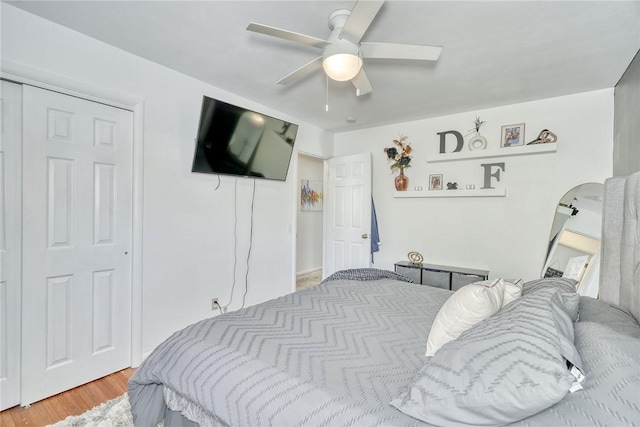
(311, 195)
(435, 182)
(512, 135)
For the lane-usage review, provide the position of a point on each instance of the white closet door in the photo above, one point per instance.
(10, 243)
(77, 213)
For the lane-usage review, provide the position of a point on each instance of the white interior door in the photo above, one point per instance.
(348, 213)
(10, 243)
(77, 220)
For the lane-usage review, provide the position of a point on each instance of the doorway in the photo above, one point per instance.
(348, 220)
(309, 230)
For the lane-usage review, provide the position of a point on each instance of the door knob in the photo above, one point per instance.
(365, 236)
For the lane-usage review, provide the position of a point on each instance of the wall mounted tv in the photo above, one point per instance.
(236, 141)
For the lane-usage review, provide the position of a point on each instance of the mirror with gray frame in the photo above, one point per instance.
(574, 241)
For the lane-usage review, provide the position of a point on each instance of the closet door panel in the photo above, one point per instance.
(10, 242)
(77, 242)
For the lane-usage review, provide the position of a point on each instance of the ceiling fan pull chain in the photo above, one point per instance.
(326, 105)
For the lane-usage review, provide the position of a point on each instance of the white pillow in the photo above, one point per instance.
(469, 305)
(512, 290)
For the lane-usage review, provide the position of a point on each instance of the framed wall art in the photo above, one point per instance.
(512, 135)
(435, 182)
(311, 195)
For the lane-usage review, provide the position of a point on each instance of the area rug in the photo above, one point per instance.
(114, 413)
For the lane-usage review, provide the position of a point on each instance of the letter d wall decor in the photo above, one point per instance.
(443, 141)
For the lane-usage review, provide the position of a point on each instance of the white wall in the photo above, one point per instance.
(188, 224)
(508, 236)
(309, 236)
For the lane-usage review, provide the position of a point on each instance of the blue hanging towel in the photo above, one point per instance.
(375, 235)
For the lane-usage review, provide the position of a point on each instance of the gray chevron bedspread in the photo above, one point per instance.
(331, 355)
(337, 354)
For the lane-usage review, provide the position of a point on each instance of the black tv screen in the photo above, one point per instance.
(236, 141)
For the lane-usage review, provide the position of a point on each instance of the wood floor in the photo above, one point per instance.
(308, 280)
(72, 402)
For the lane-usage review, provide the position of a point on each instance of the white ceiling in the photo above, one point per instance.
(495, 53)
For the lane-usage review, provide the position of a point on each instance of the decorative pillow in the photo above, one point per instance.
(562, 283)
(507, 368)
(512, 290)
(470, 304)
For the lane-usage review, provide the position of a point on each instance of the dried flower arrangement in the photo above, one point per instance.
(477, 123)
(399, 154)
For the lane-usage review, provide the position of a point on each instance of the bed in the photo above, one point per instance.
(351, 352)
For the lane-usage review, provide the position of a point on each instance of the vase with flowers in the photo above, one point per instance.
(400, 157)
(477, 142)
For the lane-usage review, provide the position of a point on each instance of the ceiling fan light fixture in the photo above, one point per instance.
(342, 61)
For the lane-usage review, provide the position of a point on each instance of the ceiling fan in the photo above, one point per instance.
(343, 53)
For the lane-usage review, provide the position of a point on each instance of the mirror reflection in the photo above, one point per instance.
(574, 240)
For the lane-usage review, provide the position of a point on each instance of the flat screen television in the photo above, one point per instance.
(235, 141)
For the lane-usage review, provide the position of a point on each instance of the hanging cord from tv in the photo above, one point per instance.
(246, 275)
(218, 186)
(235, 242)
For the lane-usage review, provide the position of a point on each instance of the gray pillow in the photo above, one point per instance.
(502, 370)
(562, 283)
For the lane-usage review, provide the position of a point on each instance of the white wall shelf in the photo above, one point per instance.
(493, 152)
(488, 192)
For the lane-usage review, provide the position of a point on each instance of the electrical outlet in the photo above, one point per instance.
(214, 304)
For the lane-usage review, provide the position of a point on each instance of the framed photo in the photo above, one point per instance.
(512, 135)
(435, 182)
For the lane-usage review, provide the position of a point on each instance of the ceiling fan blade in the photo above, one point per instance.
(362, 83)
(287, 35)
(359, 20)
(400, 51)
(301, 72)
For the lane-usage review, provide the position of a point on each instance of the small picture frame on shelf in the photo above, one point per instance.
(512, 135)
(435, 182)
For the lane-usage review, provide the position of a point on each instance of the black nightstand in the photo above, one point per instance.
(440, 276)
